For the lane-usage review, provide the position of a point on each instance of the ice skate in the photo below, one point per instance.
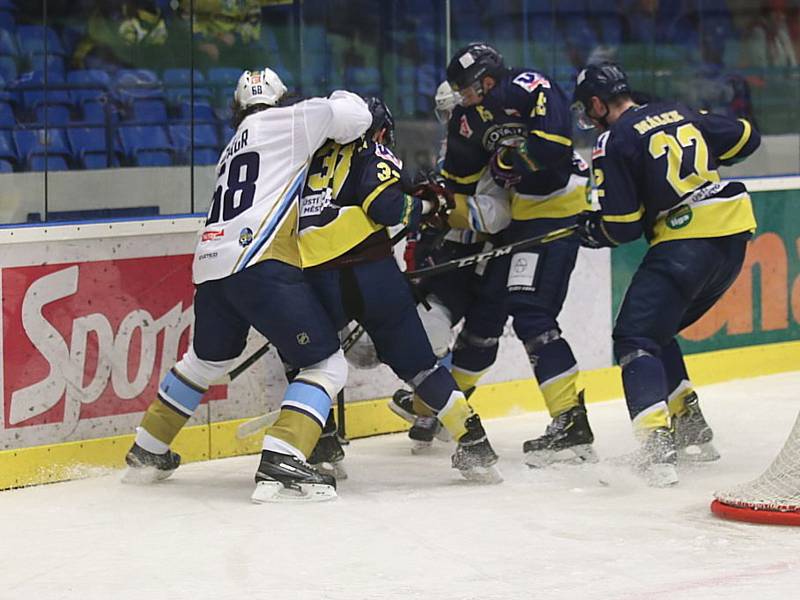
(693, 435)
(148, 467)
(567, 439)
(285, 478)
(474, 456)
(328, 455)
(402, 404)
(423, 428)
(657, 458)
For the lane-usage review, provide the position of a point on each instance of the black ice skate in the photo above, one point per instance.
(328, 454)
(657, 458)
(474, 456)
(423, 428)
(567, 439)
(147, 467)
(693, 435)
(285, 478)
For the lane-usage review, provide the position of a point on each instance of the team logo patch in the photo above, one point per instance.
(464, 128)
(503, 132)
(212, 235)
(679, 218)
(531, 80)
(245, 237)
(383, 152)
(303, 338)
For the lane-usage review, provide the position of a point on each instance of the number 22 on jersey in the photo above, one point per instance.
(673, 146)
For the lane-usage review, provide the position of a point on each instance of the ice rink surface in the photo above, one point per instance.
(408, 527)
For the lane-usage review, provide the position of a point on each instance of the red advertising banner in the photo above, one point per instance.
(91, 339)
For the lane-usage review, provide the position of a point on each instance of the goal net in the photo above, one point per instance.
(774, 497)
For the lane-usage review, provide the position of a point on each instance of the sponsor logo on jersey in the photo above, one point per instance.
(313, 204)
(599, 149)
(207, 255)
(464, 128)
(303, 338)
(531, 80)
(679, 218)
(382, 151)
(212, 234)
(502, 132)
(245, 237)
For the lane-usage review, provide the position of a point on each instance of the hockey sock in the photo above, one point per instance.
(556, 371)
(177, 400)
(438, 390)
(304, 410)
(677, 398)
(645, 387)
(473, 355)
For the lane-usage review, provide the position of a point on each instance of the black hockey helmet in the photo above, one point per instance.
(605, 80)
(472, 63)
(381, 119)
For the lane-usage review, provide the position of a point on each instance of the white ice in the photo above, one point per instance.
(408, 527)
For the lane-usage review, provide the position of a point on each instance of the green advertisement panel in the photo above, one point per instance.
(763, 305)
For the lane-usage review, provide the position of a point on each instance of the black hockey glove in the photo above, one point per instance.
(591, 232)
(437, 200)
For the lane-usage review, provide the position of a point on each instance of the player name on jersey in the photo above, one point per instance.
(653, 121)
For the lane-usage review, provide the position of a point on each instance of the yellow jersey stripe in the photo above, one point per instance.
(627, 218)
(748, 129)
(466, 179)
(552, 137)
(376, 192)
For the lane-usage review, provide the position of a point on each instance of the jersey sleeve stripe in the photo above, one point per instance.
(627, 218)
(376, 192)
(465, 179)
(552, 137)
(748, 129)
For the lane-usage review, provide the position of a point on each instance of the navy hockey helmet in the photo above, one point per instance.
(605, 80)
(471, 64)
(381, 119)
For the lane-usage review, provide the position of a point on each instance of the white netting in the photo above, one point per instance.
(778, 488)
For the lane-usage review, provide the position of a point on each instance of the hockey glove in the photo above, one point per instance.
(437, 202)
(510, 162)
(591, 232)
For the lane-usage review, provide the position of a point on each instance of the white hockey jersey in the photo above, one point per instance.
(259, 177)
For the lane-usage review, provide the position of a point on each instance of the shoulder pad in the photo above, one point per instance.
(384, 153)
(600, 145)
(530, 80)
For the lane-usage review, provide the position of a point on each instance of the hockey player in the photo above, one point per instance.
(461, 294)
(352, 193)
(656, 170)
(518, 122)
(246, 272)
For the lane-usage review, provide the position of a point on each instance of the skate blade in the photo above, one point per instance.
(576, 455)
(421, 447)
(274, 491)
(144, 475)
(699, 453)
(485, 475)
(336, 469)
(443, 435)
(660, 475)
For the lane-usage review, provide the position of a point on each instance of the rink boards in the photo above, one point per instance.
(94, 315)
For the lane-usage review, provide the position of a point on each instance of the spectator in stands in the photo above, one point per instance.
(226, 32)
(765, 31)
(128, 34)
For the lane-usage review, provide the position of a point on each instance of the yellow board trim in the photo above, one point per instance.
(552, 137)
(74, 460)
(742, 141)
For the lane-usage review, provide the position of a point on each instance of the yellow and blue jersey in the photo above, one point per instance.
(656, 172)
(527, 106)
(352, 192)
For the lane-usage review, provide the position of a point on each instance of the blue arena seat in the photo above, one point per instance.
(89, 84)
(35, 39)
(8, 69)
(7, 19)
(135, 139)
(179, 86)
(202, 111)
(32, 86)
(6, 167)
(205, 136)
(137, 84)
(222, 81)
(7, 118)
(90, 147)
(153, 158)
(97, 111)
(8, 43)
(8, 151)
(55, 115)
(47, 162)
(205, 156)
(151, 111)
(52, 62)
(29, 141)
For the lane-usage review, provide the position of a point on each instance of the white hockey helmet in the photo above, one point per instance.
(259, 87)
(446, 100)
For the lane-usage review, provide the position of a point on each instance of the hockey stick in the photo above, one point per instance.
(472, 259)
(253, 425)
